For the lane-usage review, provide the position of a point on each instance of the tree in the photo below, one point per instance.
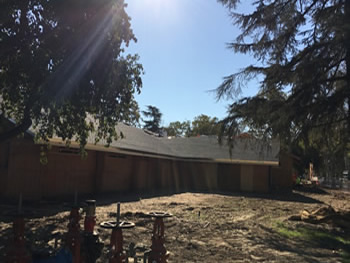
(154, 119)
(178, 129)
(133, 118)
(204, 125)
(302, 50)
(63, 69)
(201, 125)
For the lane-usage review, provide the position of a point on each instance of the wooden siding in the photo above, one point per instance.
(229, 177)
(247, 176)
(261, 179)
(281, 177)
(66, 171)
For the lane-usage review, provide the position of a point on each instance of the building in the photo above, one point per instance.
(141, 162)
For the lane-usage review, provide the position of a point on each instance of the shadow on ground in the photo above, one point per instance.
(311, 243)
(50, 207)
(310, 189)
(287, 197)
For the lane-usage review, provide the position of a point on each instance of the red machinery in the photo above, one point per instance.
(90, 216)
(92, 246)
(73, 240)
(117, 254)
(87, 247)
(17, 251)
(158, 251)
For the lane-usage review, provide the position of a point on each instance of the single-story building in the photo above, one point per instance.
(141, 162)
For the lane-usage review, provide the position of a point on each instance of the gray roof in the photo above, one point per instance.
(201, 148)
(195, 148)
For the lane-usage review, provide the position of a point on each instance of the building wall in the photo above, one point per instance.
(247, 176)
(261, 179)
(281, 176)
(196, 176)
(167, 176)
(66, 172)
(125, 173)
(116, 172)
(229, 177)
(24, 170)
(141, 180)
(205, 176)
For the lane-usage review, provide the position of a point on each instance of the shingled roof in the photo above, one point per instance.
(196, 148)
(203, 148)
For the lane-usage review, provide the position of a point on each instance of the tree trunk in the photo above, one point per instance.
(347, 61)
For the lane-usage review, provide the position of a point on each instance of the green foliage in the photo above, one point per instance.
(205, 125)
(178, 129)
(317, 237)
(345, 256)
(302, 50)
(201, 125)
(43, 156)
(154, 119)
(133, 117)
(63, 69)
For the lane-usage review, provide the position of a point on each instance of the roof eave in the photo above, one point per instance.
(93, 147)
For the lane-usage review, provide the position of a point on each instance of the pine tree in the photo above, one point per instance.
(154, 119)
(302, 52)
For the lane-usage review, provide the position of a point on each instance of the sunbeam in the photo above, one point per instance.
(91, 47)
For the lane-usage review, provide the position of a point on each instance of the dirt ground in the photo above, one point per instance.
(209, 227)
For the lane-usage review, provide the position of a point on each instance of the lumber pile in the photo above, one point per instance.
(324, 214)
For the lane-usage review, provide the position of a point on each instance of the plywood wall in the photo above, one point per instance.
(62, 175)
(254, 178)
(167, 175)
(24, 170)
(110, 172)
(261, 179)
(281, 177)
(229, 177)
(116, 173)
(247, 176)
(67, 172)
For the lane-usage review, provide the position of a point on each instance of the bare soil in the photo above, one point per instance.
(208, 227)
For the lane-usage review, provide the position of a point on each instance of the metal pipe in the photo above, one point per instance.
(118, 213)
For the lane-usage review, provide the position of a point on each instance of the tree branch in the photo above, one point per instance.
(23, 127)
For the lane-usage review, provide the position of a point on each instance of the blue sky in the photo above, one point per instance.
(182, 46)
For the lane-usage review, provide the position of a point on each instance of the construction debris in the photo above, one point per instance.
(324, 214)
